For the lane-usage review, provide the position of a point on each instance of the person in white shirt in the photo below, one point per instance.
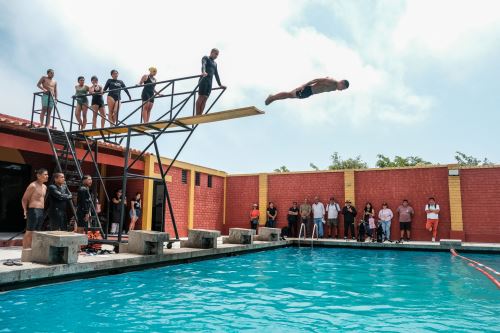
(318, 215)
(385, 216)
(432, 210)
(333, 210)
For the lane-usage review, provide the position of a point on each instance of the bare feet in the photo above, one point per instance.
(269, 99)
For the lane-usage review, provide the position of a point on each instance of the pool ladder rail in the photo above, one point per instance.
(303, 231)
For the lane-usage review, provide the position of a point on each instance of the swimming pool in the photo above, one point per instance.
(285, 290)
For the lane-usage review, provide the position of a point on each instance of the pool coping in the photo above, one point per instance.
(32, 274)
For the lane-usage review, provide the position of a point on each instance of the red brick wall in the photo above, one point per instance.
(241, 193)
(481, 204)
(416, 185)
(209, 203)
(179, 195)
(286, 188)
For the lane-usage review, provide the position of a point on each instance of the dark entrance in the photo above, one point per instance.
(158, 206)
(14, 178)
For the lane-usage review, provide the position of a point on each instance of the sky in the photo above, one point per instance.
(423, 74)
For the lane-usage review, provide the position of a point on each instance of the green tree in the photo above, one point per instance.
(351, 163)
(399, 161)
(282, 169)
(468, 160)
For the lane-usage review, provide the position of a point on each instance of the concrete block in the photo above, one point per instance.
(240, 236)
(451, 242)
(26, 255)
(146, 242)
(269, 234)
(56, 247)
(201, 239)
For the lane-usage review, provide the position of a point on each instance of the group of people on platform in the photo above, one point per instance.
(113, 87)
(58, 198)
(318, 218)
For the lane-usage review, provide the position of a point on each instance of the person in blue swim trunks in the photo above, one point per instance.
(312, 87)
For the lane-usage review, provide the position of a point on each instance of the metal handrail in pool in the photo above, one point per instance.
(315, 228)
(302, 227)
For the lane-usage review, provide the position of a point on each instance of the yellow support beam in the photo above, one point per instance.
(263, 198)
(349, 188)
(192, 120)
(454, 188)
(192, 176)
(147, 202)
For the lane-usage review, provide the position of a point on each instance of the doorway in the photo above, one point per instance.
(14, 178)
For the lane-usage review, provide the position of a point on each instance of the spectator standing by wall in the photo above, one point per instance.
(305, 213)
(318, 215)
(405, 213)
(254, 216)
(432, 209)
(272, 213)
(333, 210)
(349, 213)
(369, 219)
(293, 218)
(385, 216)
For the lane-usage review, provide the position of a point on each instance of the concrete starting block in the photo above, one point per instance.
(201, 239)
(451, 242)
(269, 234)
(240, 236)
(146, 242)
(56, 247)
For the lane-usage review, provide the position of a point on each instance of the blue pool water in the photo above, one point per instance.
(285, 290)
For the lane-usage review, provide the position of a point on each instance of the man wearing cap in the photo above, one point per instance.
(254, 216)
(293, 218)
(349, 213)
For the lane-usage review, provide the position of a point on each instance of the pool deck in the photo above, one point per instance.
(30, 274)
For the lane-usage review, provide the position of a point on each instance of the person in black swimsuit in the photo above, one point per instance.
(114, 95)
(97, 102)
(312, 87)
(208, 70)
(148, 93)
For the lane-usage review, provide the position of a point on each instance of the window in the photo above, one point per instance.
(197, 177)
(184, 176)
(209, 182)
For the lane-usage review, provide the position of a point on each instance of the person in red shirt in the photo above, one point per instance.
(254, 216)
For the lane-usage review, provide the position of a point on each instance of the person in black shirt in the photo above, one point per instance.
(59, 196)
(83, 204)
(116, 204)
(272, 212)
(208, 70)
(114, 95)
(293, 218)
(349, 213)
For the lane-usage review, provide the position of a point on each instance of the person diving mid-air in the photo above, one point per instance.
(312, 87)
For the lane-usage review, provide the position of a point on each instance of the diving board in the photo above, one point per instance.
(184, 121)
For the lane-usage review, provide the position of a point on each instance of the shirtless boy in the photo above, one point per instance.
(33, 202)
(49, 87)
(313, 87)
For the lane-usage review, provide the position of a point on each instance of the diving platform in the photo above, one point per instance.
(153, 127)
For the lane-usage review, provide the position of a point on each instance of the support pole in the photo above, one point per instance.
(124, 186)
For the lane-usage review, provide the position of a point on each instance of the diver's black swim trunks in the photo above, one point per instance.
(304, 93)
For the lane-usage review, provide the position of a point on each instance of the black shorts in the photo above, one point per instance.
(35, 219)
(405, 226)
(58, 221)
(304, 93)
(147, 97)
(205, 87)
(98, 100)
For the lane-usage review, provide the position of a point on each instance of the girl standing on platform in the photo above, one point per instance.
(114, 96)
(135, 210)
(82, 102)
(97, 102)
(148, 93)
